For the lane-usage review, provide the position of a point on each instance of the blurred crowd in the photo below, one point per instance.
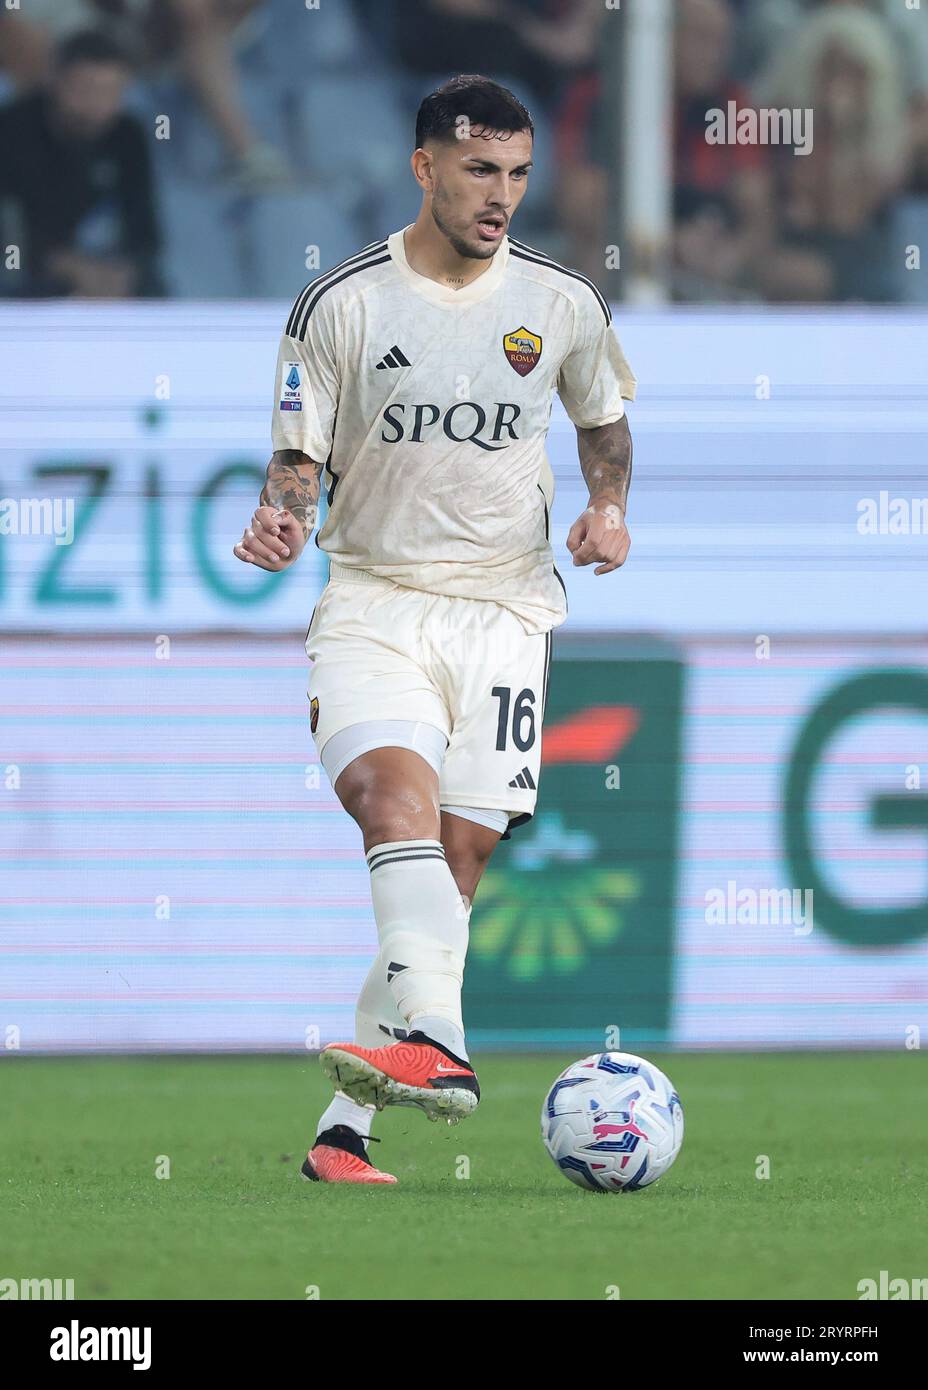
(231, 148)
(833, 225)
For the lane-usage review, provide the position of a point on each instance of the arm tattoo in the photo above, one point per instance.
(606, 461)
(293, 484)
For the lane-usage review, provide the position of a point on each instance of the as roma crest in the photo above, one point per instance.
(313, 714)
(523, 350)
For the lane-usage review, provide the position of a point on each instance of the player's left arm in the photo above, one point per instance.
(600, 536)
(594, 382)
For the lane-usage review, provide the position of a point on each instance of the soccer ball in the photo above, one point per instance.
(612, 1123)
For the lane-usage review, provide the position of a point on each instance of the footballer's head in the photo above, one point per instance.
(473, 153)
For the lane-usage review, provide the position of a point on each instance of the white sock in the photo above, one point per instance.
(442, 1031)
(377, 1020)
(422, 921)
(375, 1006)
(343, 1110)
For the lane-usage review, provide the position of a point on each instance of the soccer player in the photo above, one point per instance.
(415, 381)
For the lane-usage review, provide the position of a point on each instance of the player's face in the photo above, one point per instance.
(477, 185)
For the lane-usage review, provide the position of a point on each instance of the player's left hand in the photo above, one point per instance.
(600, 537)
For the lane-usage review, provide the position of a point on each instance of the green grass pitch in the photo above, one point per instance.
(846, 1136)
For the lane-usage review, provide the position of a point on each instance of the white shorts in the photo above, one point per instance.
(465, 666)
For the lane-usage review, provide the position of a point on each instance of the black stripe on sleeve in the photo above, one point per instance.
(538, 258)
(320, 290)
(300, 303)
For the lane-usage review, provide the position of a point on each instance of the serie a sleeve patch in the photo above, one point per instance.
(291, 386)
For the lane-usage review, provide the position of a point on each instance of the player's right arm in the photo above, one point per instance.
(286, 512)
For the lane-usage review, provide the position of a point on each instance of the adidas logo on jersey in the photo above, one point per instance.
(394, 358)
(523, 779)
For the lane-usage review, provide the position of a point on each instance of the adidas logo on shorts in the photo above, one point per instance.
(523, 779)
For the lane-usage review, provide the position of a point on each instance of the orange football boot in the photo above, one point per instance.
(342, 1159)
(414, 1072)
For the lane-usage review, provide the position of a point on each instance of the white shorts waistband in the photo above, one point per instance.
(354, 575)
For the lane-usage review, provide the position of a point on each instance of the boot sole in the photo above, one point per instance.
(367, 1085)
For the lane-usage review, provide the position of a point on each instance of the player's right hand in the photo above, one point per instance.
(273, 540)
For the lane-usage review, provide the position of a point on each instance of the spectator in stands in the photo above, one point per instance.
(75, 182)
(834, 204)
(198, 36)
(583, 153)
(721, 192)
(538, 43)
(910, 214)
(760, 27)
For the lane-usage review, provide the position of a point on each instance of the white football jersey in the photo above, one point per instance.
(430, 408)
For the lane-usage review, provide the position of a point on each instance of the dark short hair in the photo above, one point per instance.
(484, 103)
(90, 46)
